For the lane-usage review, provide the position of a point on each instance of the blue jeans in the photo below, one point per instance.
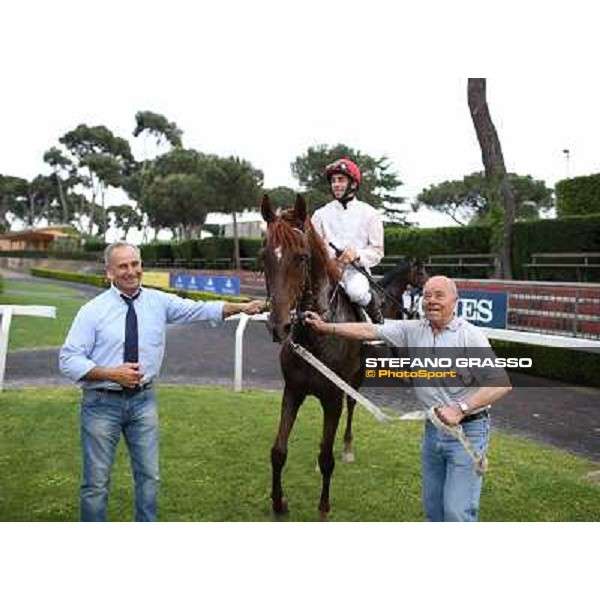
(451, 486)
(103, 417)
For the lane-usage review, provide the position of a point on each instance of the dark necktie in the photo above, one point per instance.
(130, 349)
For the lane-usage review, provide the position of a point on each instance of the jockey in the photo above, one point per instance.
(355, 228)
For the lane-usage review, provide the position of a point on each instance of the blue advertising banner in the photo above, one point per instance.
(487, 309)
(218, 284)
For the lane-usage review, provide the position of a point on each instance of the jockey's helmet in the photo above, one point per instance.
(344, 166)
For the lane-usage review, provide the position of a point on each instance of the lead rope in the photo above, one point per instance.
(456, 431)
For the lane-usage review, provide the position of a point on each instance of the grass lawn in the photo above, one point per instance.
(35, 332)
(215, 464)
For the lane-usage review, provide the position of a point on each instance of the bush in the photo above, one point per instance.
(571, 234)
(214, 248)
(156, 251)
(65, 244)
(250, 247)
(97, 280)
(568, 365)
(578, 196)
(94, 245)
(209, 249)
(86, 256)
(421, 243)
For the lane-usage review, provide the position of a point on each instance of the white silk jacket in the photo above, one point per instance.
(359, 226)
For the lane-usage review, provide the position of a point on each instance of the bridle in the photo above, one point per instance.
(304, 298)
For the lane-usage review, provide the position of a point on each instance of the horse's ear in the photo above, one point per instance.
(266, 209)
(300, 211)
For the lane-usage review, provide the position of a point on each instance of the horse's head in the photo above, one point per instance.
(417, 273)
(395, 282)
(286, 256)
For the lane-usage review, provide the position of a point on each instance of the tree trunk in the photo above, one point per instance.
(236, 243)
(92, 205)
(63, 200)
(104, 219)
(500, 189)
(31, 217)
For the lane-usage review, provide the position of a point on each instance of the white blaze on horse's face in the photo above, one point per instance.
(278, 253)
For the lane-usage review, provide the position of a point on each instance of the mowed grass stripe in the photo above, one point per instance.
(36, 332)
(215, 466)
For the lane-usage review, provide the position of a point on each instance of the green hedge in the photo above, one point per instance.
(568, 365)
(421, 243)
(155, 252)
(578, 196)
(94, 245)
(208, 249)
(101, 281)
(97, 280)
(571, 234)
(1, 284)
(87, 256)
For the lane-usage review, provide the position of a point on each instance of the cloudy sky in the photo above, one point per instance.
(250, 91)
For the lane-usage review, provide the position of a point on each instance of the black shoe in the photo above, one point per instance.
(373, 309)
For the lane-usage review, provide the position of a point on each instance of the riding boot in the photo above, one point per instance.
(373, 309)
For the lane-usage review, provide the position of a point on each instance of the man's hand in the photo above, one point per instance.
(250, 308)
(349, 255)
(127, 375)
(255, 307)
(314, 321)
(451, 415)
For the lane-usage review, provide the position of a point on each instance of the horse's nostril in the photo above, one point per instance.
(287, 328)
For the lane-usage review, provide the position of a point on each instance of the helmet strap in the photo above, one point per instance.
(348, 195)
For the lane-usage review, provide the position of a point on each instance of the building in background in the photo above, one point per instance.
(36, 239)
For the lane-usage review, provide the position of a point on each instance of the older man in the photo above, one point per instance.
(114, 351)
(451, 485)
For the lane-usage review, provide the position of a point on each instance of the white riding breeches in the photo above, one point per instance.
(356, 286)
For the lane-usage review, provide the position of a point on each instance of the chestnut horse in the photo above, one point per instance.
(301, 276)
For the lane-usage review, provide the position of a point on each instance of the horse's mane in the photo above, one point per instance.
(399, 269)
(281, 233)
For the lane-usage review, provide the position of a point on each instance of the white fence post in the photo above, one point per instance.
(239, 352)
(239, 345)
(7, 311)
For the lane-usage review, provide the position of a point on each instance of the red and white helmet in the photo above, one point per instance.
(344, 166)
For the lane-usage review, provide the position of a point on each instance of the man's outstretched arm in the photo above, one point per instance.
(350, 331)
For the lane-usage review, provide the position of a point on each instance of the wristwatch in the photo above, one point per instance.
(464, 407)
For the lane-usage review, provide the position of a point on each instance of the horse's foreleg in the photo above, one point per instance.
(348, 453)
(332, 409)
(289, 410)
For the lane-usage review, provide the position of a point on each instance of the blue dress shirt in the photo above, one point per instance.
(97, 335)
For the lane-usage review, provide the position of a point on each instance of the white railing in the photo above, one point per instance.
(508, 335)
(239, 345)
(7, 311)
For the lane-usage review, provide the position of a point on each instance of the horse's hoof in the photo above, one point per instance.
(280, 509)
(323, 515)
(348, 457)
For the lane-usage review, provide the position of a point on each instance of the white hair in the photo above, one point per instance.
(111, 247)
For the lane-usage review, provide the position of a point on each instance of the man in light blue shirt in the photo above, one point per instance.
(451, 484)
(114, 351)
